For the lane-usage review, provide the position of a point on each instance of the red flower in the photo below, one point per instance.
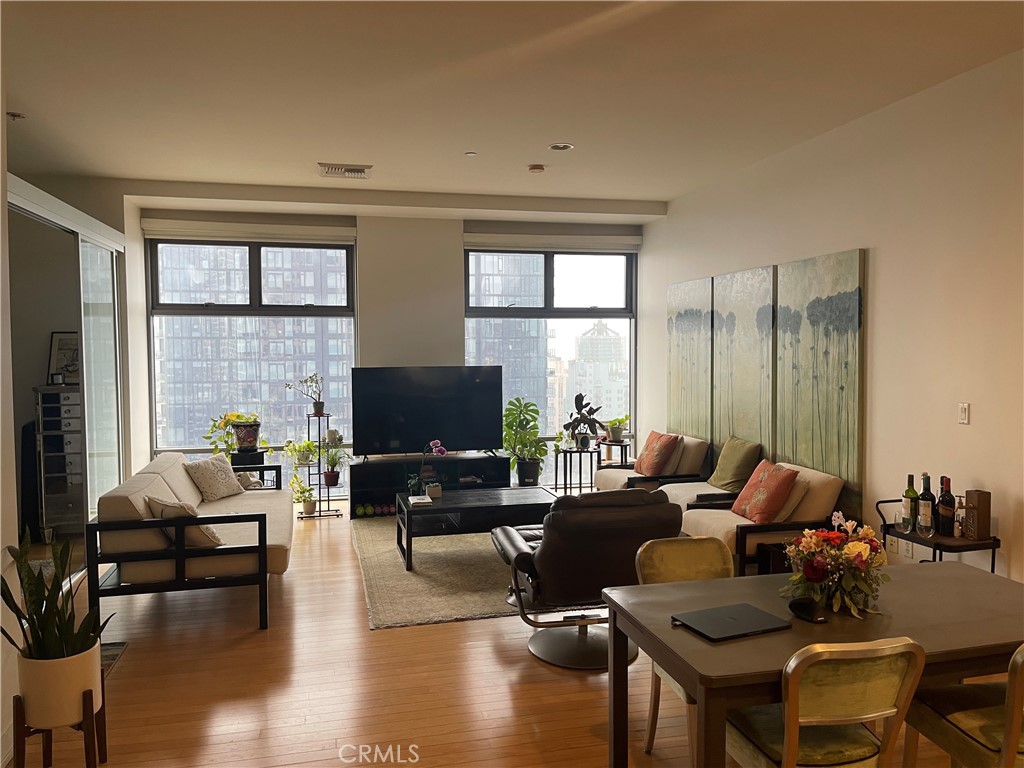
(875, 546)
(833, 538)
(860, 562)
(816, 570)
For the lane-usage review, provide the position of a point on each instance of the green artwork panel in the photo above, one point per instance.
(742, 344)
(819, 368)
(689, 358)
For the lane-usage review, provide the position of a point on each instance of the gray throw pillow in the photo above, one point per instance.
(196, 536)
(737, 463)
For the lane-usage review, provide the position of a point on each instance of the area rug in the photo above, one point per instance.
(454, 578)
(110, 653)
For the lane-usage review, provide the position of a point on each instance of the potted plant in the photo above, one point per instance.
(615, 428)
(235, 431)
(417, 483)
(582, 424)
(312, 387)
(302, 494)
(300, 451)
(59, 657)
(333, 459)
(522, 441)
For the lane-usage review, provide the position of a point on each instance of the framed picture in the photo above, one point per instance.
(64, 357)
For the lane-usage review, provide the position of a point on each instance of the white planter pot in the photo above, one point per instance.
(52, 688)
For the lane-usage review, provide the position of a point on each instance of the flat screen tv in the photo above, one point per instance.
(399, 410)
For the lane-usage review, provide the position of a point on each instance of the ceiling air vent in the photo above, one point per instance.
(345, 170)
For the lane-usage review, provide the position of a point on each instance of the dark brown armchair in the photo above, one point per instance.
(586, 543)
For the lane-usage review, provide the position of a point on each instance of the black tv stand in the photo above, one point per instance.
(375, 480)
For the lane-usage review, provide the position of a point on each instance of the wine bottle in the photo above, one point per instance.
(926, 507)
(947, 508)
(908, 513)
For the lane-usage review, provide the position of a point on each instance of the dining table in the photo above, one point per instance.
(968, 621)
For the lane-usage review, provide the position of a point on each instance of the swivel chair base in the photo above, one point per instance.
(583, 647)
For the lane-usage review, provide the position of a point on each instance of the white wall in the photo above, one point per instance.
(932, 187)
(410, 292)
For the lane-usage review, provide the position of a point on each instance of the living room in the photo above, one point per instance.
(912, 152)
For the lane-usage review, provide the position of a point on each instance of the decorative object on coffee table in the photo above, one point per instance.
(838, 568)
(312, 387)
(418, 481)
(521, 439)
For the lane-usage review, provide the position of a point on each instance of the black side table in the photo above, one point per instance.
(566, 459)
(622, 447)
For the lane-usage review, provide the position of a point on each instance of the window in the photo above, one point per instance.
(231, 323)
(558, 324)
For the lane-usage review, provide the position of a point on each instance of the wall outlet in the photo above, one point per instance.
(908, 550)
(893, 546)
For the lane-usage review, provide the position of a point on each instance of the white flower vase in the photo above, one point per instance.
(52, 688)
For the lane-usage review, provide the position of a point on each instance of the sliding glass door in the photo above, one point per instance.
(100, 378)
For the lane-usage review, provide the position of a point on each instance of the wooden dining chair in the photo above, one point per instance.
(977, 724)
(690, 558)
(831, 692)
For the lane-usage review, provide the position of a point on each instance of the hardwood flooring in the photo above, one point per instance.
(201, 685)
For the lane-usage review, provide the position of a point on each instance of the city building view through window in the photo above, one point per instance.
(233, 322)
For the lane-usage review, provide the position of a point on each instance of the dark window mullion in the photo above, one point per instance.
(255, 275)
(549, 280)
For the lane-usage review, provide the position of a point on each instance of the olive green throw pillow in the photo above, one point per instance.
(737, 463)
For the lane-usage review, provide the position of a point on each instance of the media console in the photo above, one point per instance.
(374, 481)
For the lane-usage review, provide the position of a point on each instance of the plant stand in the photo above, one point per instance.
(93, 727)
(317, 427)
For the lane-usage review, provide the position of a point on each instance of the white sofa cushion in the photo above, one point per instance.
(819, 500)
(277, 505)
(720, 523)
(171, 467)
(686, 493)
(128, 502)
(687, 459)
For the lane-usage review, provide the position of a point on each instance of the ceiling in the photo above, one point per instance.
(658, 97)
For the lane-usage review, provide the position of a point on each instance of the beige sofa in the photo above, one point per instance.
(255, 527)
(707, 512)
(688, 461)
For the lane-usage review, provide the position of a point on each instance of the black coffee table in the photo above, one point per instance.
(472, 511)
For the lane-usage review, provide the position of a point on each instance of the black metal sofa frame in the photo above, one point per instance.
(110, 583)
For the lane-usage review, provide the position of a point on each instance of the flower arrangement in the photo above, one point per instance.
(221, 434)
(837, 568)
(312, 387)
(416, 482)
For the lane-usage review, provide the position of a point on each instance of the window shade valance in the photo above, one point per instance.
(184, 229)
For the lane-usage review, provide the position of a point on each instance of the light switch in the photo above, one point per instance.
(963, 413)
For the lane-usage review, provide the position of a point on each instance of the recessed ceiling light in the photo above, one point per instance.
(562, 146)
(470, 154)
(535, 168)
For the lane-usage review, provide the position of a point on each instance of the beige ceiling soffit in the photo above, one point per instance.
(217, 230)
(39, 203)
(574, 243)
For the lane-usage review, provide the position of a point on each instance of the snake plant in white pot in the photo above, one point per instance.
(59, 657)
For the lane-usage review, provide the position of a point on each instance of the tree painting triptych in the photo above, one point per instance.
(774, 355)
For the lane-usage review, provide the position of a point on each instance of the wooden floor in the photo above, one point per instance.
(201, 685)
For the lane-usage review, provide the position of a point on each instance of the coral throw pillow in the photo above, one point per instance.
(657, 451)
(765, 493)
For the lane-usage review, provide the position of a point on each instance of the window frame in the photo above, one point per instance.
(549, 310)
(254, 308)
